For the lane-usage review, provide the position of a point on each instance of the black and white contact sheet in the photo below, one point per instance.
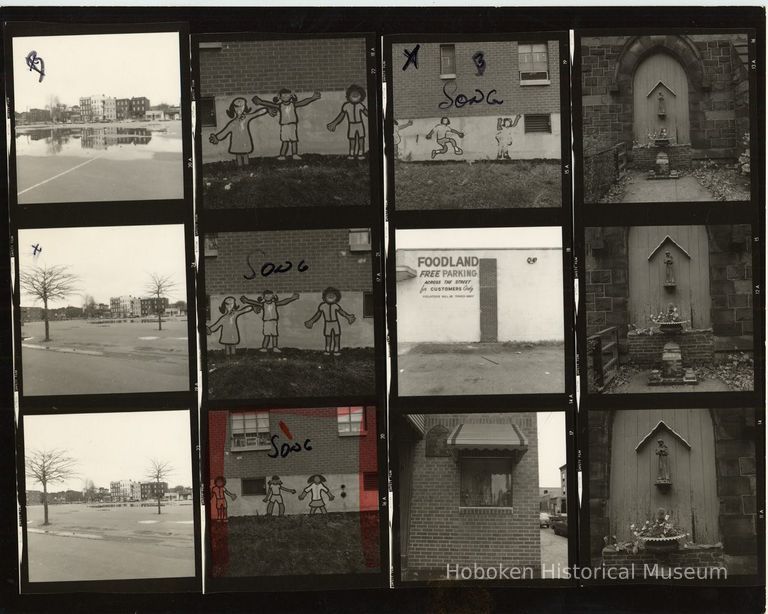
(321, 309)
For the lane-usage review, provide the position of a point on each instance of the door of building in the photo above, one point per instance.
(489, 319)
(669, 264)
(660, 89)
(691, 496)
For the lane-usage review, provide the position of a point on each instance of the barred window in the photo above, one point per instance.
(250, 431)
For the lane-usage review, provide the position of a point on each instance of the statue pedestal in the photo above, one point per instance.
(661, 168)
(672, 370)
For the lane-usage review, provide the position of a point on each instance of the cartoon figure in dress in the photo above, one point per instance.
(267, 305)
(443, 135)
(316, 489)
(238, 129)
(397, 138)
(275, 489)
(219, 494)
(354, 110)
(330, 310)
(505, 131)
(286, 103)
(229, 336)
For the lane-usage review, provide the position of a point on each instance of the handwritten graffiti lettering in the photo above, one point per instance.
(284, 449)
(461, 100)
(36, 63)
(479, 59)
(270, 268)
(412, 57)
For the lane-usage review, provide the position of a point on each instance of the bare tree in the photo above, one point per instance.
(159, 471)
(89, 492)
(158, 288)
(89, 306)
(48, 283)
(49, 467)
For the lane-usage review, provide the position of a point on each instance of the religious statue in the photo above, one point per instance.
(669, 280)
(662, 104)
(662, 452)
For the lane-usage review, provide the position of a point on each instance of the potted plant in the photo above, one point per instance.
(659, 534)
(669, 321)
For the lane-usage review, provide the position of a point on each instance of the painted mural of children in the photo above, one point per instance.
(443, 135)
(397, 138)
(219, 494)
(354, 110)
(330, 310)
(504, 135)
(275, 489)
(267, 305)
(238, 129)
(229, 336)
(316, 489)
(286, 103)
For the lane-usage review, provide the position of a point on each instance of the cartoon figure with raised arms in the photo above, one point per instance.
(267, 305)
(316, 489)
(505, 128)
(219, 494)
(286, 103)
(443, 135)
(397, 136)
(354, 110)
(238, 129)
(229, 336)
(275, 489)
(330, 310)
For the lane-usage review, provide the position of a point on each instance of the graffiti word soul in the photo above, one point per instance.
(281, 450)
(462, 100)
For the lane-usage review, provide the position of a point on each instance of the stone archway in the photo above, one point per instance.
(636, 50)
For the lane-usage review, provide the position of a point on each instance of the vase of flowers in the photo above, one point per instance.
(669, 321)
(659, 534)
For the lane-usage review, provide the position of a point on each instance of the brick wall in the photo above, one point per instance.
(326, 253)
(331, 452)
(736, 473)
(441, 534)
(300, 65)
(730, 270)
(419, 91)
(680, 157)
(607, 288)
(695, 557)
(716, 76)
(697, 346)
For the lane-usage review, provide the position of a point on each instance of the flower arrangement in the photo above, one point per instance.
(744, 158)
(659, 528)
(670, 316)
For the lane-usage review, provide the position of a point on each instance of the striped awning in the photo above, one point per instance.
(488, 436)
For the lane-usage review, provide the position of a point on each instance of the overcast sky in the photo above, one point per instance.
(109, 260)
(443, 238)
(551, 429)
(116, 65)
(113, 446)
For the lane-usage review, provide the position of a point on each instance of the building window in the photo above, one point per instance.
(351, 420)
(539, 122)
(370, 480)
(368, 304)
(207, 110)
(253, 486)
(447, 61)
(360, 240)
(533, 62)
(250, 431)
(211, 245)
(486, 482)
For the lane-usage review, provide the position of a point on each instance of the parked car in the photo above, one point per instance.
(559, 525)
(543, 520)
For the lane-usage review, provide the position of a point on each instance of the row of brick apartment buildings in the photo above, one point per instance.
(131, 490)
(127, 306)
(106, 108)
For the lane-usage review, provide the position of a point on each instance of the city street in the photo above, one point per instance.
(554, 551)
(85, 358)
(108, 543)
